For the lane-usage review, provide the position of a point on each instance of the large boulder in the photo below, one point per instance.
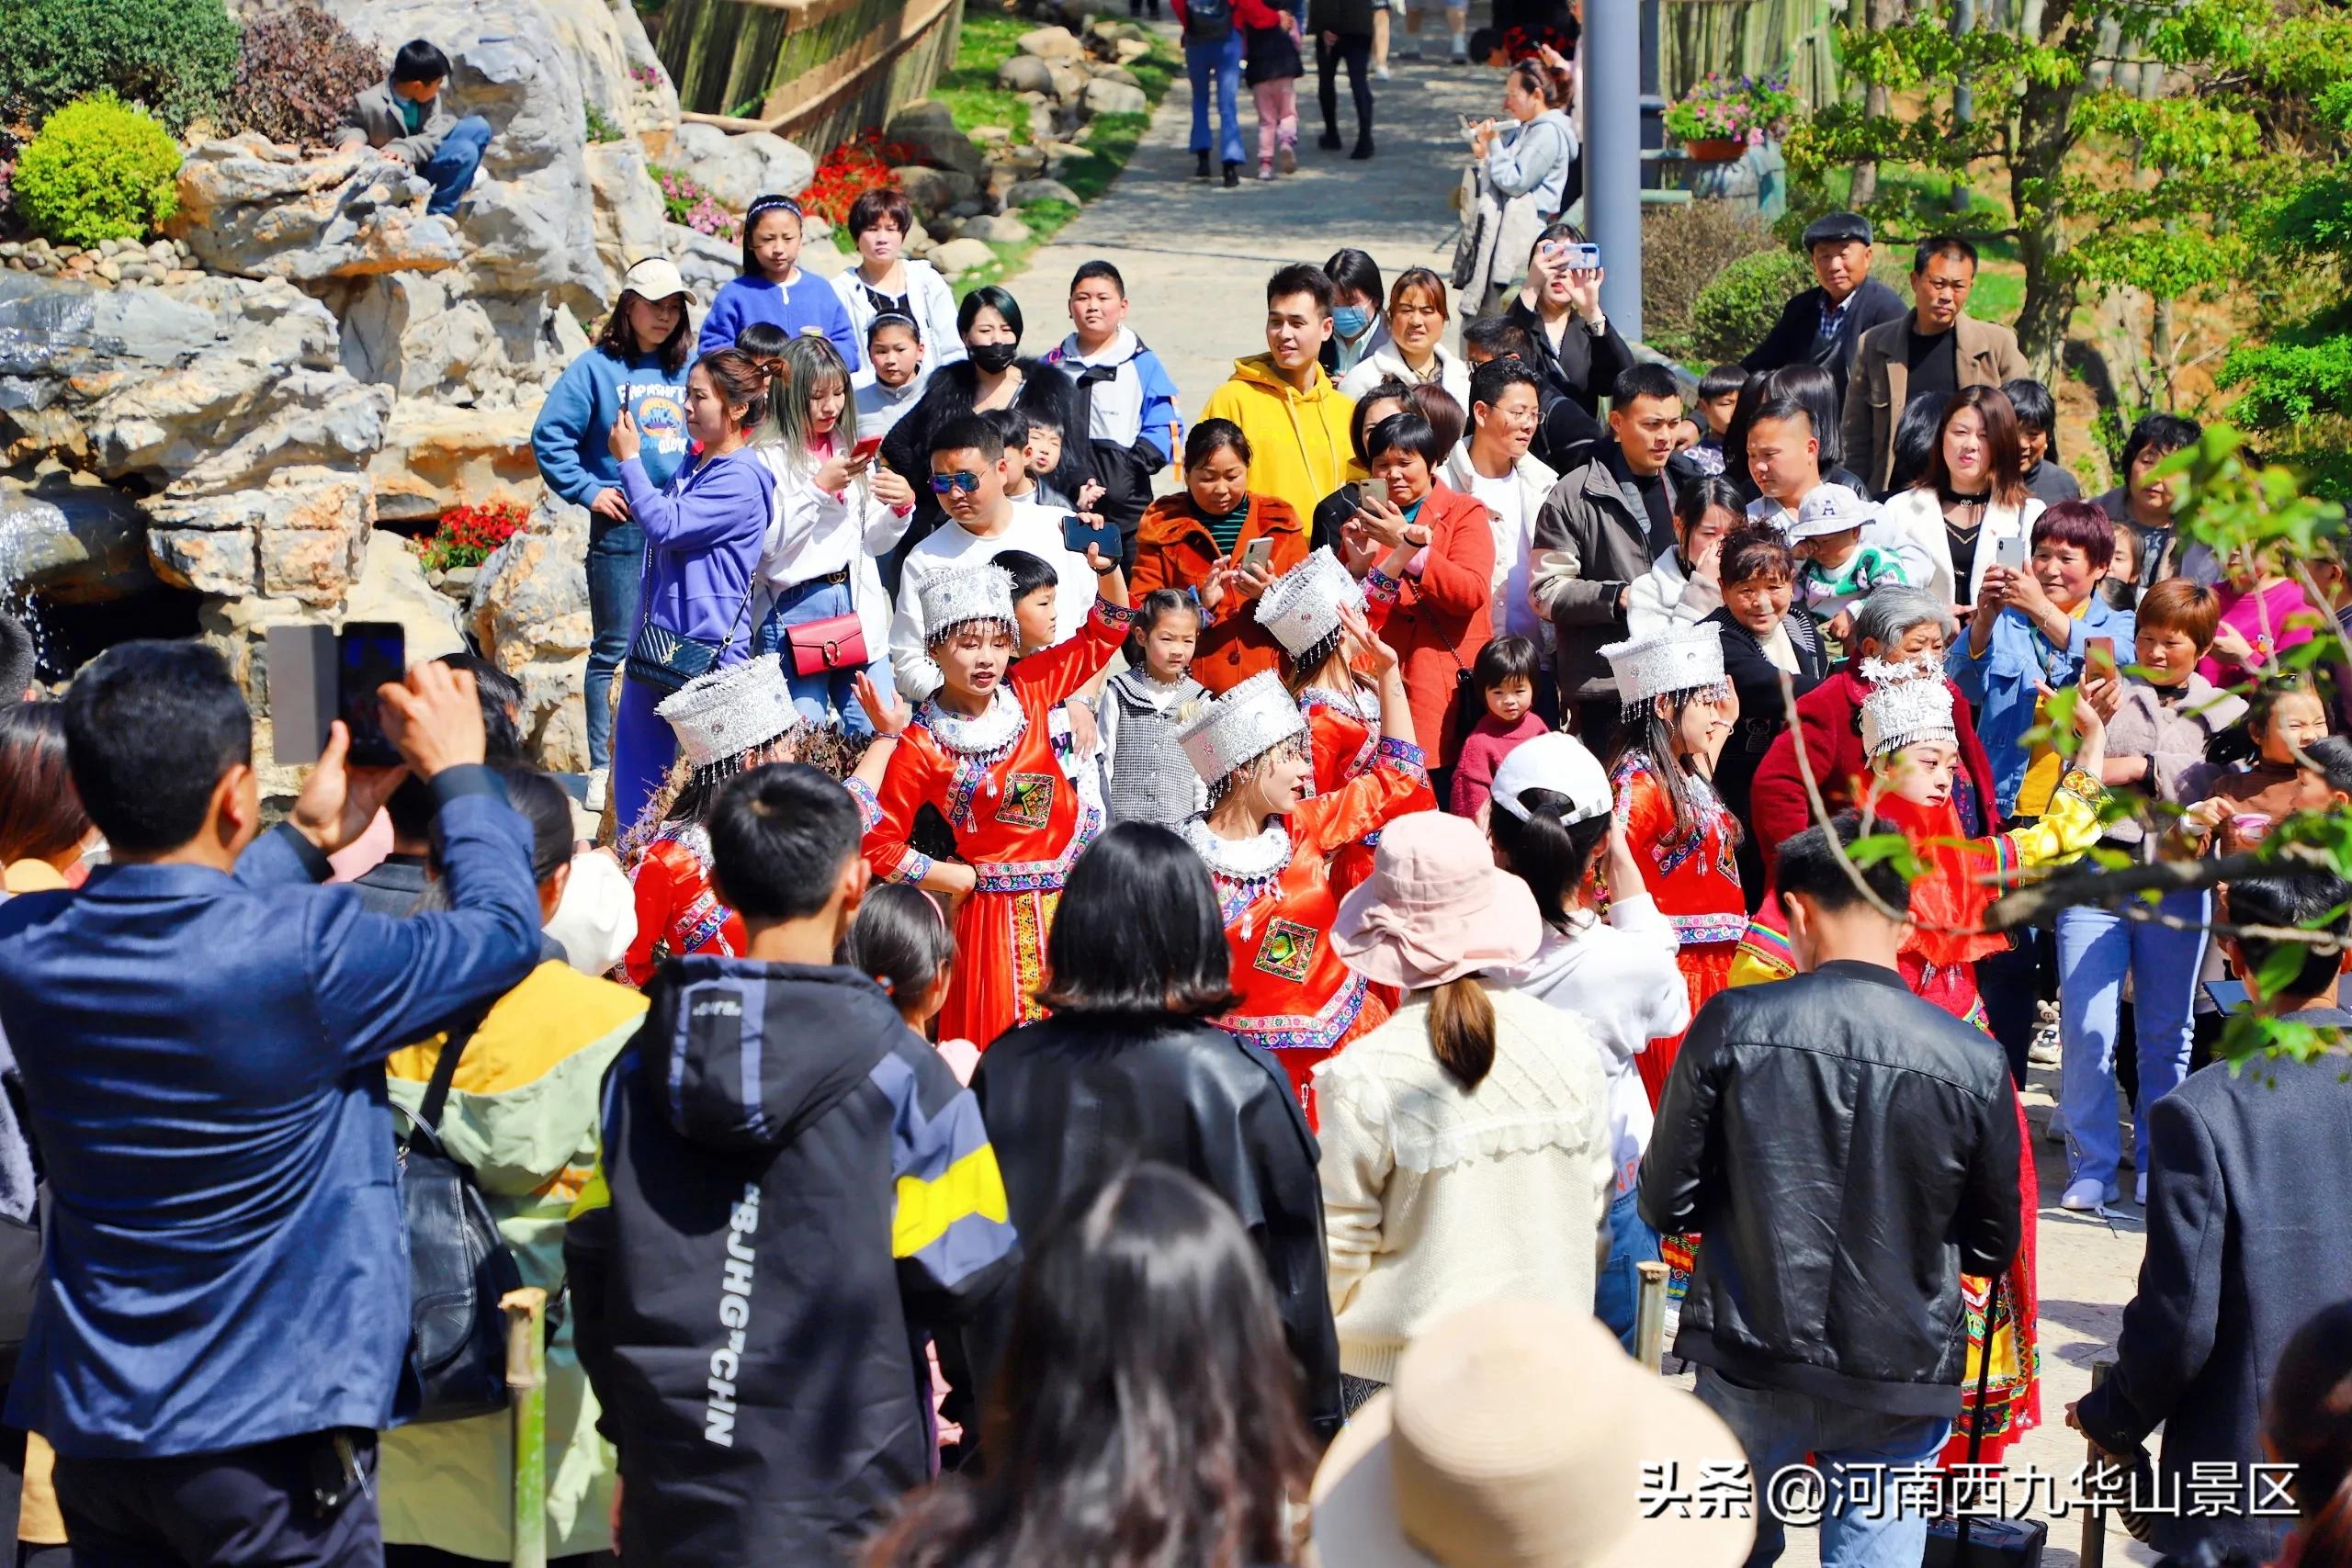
(936, 191)
(707, 262)
(73, 537)
(628, 214)
(1106, 96)
(426, 337)
(1051, 43)
(301, 535)
(1026, 191)
(529, 613)
(392, 587)
(437, 457)
(741, 169)
(249, 206)
(958, 257)
(929, 126)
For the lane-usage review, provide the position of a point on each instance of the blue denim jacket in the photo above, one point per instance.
(2016, 659)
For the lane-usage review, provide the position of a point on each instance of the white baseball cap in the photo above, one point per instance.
(1830, 509)
(657, 278)
(1559, 763)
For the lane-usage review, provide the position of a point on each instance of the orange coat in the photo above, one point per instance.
(1175, 549)
(1443, 617)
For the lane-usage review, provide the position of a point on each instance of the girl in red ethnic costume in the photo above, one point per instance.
(1302, 609)
(726, 722)
(980, 751)
(1268, 846)
(1913, 744)
(1679, 712)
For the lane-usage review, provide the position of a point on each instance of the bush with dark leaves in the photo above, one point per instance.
(175, 57)
(1682, 249)
(297, 74)
(1740, 303)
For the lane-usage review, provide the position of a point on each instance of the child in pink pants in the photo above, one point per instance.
(1271, 67)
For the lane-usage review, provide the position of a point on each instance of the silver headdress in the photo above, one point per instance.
(1684, 659)
(721, 716)
(954, 599)
(1904, 705)
(1302, 607)
(1240, 727)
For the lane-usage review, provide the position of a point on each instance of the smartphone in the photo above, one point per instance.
(1076, 533)
(2009, 552)
(301, 675)
(1584, 258)
(1259, 551)
(866, 447)
(2098, 657)
(370, 654)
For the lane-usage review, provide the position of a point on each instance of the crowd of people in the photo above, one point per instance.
(1134, 1017)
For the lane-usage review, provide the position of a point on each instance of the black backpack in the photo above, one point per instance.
(1208, 21)
(458, 1267)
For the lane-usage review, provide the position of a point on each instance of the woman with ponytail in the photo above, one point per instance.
(1465, 1150)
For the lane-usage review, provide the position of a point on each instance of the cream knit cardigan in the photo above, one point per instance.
(1434, 1198)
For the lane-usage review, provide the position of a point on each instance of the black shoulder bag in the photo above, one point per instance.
(1968, 1542)
(458, 1267)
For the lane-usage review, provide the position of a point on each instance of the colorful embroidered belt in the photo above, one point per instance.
(1293, 1032)
(1709, 928)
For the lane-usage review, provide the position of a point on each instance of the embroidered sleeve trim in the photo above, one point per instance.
(1380, 588)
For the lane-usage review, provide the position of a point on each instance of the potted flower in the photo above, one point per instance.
(1722, 116)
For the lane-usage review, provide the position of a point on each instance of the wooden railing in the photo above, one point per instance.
(814, 70)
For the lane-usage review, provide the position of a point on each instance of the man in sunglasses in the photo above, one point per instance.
(970, 466)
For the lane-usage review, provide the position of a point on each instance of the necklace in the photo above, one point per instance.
(984, 742)
(1245, 869)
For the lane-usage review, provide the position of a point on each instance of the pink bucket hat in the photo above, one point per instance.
(1434, 908)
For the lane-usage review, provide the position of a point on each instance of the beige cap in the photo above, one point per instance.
(1515, 1437)
(657, 278)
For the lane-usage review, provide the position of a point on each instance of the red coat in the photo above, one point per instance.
(1175, 549)
(1443, 618)
(1831, 715)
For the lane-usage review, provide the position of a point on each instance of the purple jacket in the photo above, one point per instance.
(703, 534)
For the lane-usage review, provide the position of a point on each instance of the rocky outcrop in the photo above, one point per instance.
(256, 209)
(392, 587)
(434, 458)
(71, 537)
(741, 168)
(529, 613)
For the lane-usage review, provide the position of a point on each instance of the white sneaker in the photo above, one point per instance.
(1461, 53)
(595, 796)
(1381, 73)
(2046, 1049)
(2140, 1190)
(2086, 1197)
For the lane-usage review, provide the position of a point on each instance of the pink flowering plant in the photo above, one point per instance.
(684, 200)
(645, 75)
(1752, 109)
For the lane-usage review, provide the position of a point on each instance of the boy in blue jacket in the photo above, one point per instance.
(1125, 395)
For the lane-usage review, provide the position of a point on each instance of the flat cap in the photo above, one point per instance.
(1837, 228)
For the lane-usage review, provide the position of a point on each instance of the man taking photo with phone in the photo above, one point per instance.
(202, 1030)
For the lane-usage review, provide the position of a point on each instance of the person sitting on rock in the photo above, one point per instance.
(405, 118)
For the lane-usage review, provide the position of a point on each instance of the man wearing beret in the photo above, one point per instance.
(1822, 325)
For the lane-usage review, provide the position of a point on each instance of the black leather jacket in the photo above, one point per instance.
(1848, 1151)
(1074, 1098)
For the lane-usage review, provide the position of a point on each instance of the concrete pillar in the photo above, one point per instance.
(1613, 178)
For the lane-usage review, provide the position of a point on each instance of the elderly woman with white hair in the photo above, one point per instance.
(1899, 626)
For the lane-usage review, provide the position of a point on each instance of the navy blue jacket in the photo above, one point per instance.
(203, 1059)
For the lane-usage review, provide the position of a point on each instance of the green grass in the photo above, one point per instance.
(989, 37)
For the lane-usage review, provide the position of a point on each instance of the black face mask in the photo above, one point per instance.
(995, 357)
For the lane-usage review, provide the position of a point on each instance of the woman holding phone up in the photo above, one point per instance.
(1579, 354)
(1216, 540)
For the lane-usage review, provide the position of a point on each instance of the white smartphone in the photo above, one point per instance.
(1259, 551)
(2009, 552)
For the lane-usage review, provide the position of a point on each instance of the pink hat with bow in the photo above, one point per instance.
(1435, 908)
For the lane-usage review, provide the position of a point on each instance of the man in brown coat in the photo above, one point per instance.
(1937, 347)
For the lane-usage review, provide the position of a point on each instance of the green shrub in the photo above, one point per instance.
(1739, 304)
(296, 73)
(99, 170)
(177, 57)
(1683, 247)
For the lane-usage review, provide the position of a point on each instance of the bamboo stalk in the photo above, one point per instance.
(1649, 1314)
(526, 1391)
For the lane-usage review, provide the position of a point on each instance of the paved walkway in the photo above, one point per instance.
(1196, 258)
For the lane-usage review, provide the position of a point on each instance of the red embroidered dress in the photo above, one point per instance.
(1018, 821)
(1694, 876)
(1343, 732)
(677, 914)
(1294, 996)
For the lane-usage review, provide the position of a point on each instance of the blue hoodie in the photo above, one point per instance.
(568, 439)
(808, 304)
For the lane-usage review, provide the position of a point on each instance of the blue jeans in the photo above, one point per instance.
(1618, 1288)
(1220, 63)
(2095, 949)
(815, 696)
(451, 168)
(615, 573)
(1778, 1429)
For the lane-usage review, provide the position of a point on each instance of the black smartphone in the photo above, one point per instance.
(1078, 533)
(370, 654)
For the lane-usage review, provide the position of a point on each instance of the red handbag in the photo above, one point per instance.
(837, 642)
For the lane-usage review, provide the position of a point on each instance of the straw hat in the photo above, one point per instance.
(1515, 1436)
(1435, 908)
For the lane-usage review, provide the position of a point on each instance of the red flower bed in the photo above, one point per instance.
(467, 534)
(855, 166)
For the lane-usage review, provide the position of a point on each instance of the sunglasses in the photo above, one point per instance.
(941, 484)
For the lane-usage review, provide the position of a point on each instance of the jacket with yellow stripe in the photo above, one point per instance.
(795, 1195)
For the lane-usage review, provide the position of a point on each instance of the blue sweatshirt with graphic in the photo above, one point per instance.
(808, 304)
(577, 419)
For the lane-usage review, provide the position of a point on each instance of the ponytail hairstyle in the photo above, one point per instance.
(765, 343)
(1533, 78)
(809, 365)
(2309, 1426)
(900, 940)
(1551, 855)
(1155, 607)
(1461, 1029)
(742, 379)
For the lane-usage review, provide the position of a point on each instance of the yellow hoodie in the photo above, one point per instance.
(1298, 441)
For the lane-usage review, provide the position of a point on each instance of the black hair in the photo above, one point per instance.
(1723, 381)
(897, 318)
(899, 940)
(1916, 435)
(2307, 898)
(1408, 431)
(1499, 336)
(1300, 279)
(412, 806)
(1551, 856)
(759, 208)
(2161, 433)
(1555, 230)
(151, 727)
(1389, 390)
(419, 61)
(1350, 271)
(1810, 866)
(1155, 607)
(1691, 501)
(1028, 573)
(1011, 423)
(1936, 246)
(763, 340)
(540, 801)
(1035, 416)
(2267, 694)
(1743, 415)
(780, 834)
(1492, 379)
(619, 339)
(877, 205)
(1643, 381)
(1754, 550)
(2307, 1426)
(972, 433)
(1139, 930)
(1100, 268)
(1504, 659)
(989, 296)
(1446, 417)
(2035, 408)
(2331, 757)
(1204, 439)
(1147, 1407)
(1816, 390)
(39, 814)
(1778, 405)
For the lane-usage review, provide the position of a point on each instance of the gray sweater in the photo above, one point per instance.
(374, 117)
(1148, 778)
(2172, 734)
